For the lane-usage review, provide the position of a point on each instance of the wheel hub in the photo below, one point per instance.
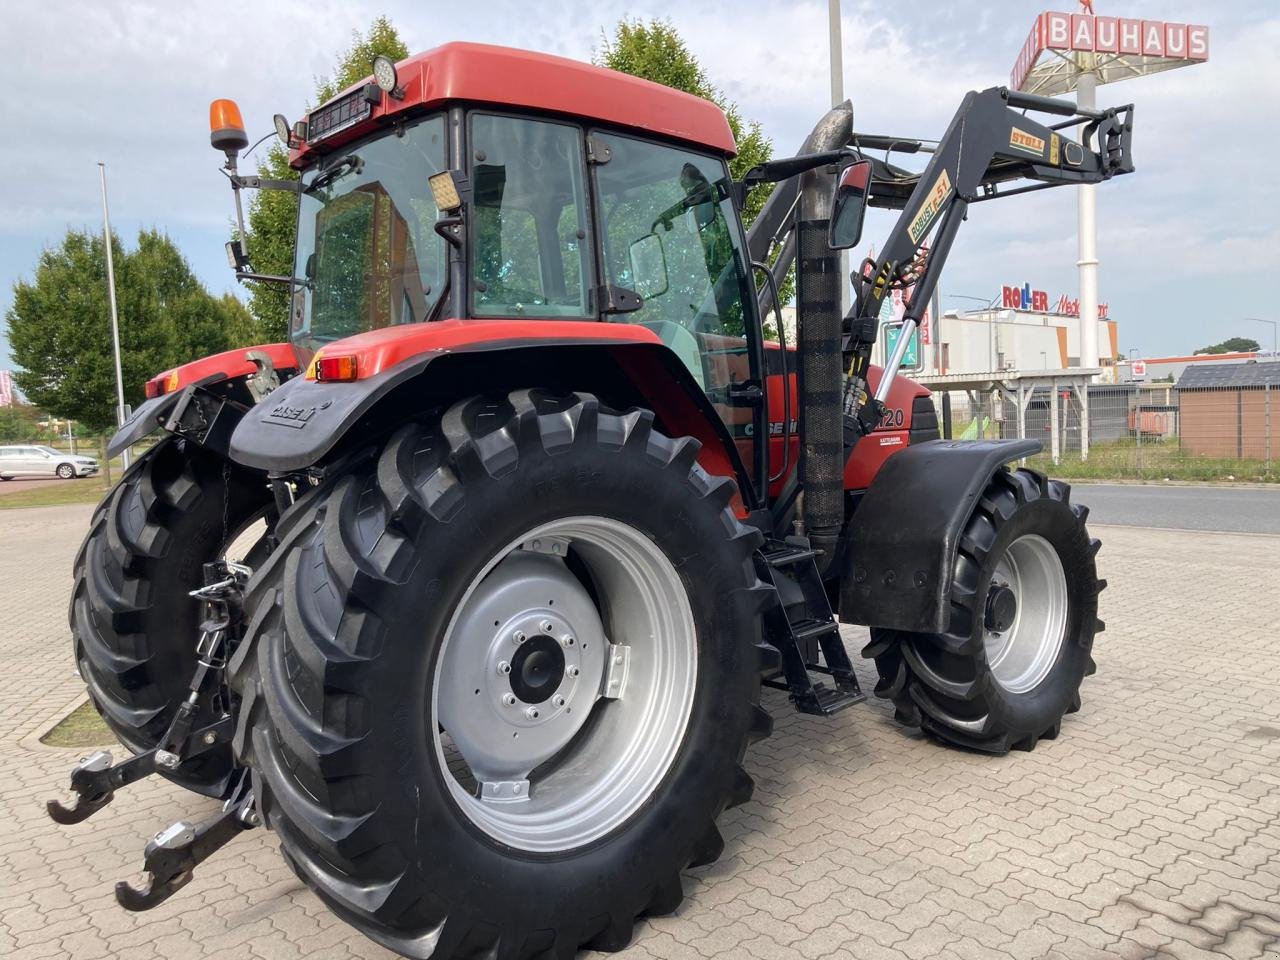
(1002, 608)
(1025, 617)
(553, 732)
(529, 648)
(537, 669)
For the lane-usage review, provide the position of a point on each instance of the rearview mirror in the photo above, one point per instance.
(648, 266)
(849, 205)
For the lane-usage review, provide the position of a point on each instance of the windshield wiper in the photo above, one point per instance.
(351, 163)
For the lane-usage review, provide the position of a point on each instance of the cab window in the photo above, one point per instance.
(670, 234)
(530, 239)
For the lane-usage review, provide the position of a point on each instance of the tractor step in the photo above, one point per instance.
(831, 700)
(801, 626)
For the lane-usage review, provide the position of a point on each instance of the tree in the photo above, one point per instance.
(1232, 345)
(60, 329)
(273, 214)
(655, 51)
(19, 422)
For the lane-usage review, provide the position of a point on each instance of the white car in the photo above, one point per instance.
(39, 461)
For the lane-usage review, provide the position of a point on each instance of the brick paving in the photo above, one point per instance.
(1150, 829)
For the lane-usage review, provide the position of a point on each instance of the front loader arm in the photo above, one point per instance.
(988, 145)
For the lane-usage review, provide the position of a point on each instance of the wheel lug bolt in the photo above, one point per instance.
(566, 640)
(509, 699)
(572, 671)
(558, 700)
(519, 637)
(547, 626)
(504, 667)
(532, 713)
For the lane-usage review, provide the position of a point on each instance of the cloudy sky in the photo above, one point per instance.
(1189, 245)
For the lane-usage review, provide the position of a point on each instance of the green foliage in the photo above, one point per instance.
(1232, 345)
(273, 214)
(357, 63)
(19, 423)
(655, 51)
(60, 327)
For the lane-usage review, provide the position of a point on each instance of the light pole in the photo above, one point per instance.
(836, 45)
(111, 296)
(1275, 324)
(988, 303)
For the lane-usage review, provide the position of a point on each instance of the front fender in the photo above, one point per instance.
(904, 534)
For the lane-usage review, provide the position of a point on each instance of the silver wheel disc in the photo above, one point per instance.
(1026, 618)
(557, 714)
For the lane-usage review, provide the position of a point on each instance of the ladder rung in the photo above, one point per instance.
(812, 628)
(788, 556)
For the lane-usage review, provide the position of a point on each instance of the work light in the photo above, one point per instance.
(384, 75)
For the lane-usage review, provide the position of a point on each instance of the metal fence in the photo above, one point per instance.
(1136, 431)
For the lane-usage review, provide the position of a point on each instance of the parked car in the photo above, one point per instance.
(39, 461)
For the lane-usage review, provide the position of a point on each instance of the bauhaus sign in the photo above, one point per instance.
(1121, 36)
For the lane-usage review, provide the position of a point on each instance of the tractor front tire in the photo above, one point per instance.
(1024, 602)
(500, 677)
(133, 625)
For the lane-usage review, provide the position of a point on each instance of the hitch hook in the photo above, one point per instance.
(94, 781)
(170, 858)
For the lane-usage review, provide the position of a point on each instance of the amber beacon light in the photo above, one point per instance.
(226, 129)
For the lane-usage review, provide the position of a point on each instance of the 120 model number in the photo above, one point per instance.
(893, 418)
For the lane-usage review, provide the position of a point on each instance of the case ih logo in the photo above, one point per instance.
(1085, 33)
(1024, 298)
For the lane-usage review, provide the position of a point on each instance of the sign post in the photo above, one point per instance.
(1078, 51)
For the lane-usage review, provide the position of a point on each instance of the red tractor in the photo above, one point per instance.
(536, 507)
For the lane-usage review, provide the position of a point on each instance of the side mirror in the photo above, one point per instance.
(648, 266)
(849, 205)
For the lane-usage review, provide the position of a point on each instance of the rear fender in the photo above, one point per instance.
(307, 422)
(904, 534)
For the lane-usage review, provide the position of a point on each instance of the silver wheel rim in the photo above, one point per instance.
(1022, 654)
(546, 764)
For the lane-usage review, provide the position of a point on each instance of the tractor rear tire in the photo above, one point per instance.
(1024, 603)
(390, 636)
(133, 626)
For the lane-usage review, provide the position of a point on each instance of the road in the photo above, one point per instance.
(1177, 507)
(1149, 829)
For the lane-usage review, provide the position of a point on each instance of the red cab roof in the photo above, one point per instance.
(503, 77)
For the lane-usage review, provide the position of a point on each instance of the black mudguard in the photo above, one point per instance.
(151, 416)
(301, 420)
(903, 537)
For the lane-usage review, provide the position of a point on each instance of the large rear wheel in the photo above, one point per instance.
(1024, 603)
(133, 625)
(501, 676)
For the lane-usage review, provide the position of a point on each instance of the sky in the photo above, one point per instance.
(1186, 244)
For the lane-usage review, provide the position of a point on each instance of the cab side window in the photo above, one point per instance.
(531, 245)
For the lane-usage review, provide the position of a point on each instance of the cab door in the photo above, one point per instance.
(670, 233)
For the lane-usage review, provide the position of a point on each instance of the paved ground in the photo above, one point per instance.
(1150, 829)
(1184, 507)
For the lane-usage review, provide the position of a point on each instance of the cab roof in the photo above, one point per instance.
(519, 79)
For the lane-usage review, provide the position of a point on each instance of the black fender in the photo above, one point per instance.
(303, 422)
(902, 538)
(150, 417)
